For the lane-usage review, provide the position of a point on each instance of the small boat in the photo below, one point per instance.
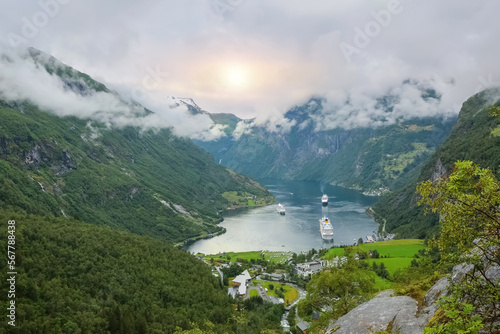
(324, 200)
(280, 209)
(326, 228)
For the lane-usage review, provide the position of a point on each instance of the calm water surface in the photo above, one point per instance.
(264, 229)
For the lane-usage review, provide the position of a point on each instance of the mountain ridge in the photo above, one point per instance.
(471, 138)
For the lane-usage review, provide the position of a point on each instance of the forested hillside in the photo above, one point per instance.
(147, 181)
(74, 277)
(474, 137)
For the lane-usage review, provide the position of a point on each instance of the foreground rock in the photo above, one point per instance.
(400, 313)
(381, 313)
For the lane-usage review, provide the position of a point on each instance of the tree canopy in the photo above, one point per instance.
(468, 202)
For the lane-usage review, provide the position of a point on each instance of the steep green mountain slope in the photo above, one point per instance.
(95, 210)
(361, 158)
(473, 138)
(74, 277)
(149, 182)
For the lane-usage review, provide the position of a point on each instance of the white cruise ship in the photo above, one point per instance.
(280, 209)
(326, 228)
(324, 200)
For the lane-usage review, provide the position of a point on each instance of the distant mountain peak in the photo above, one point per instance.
(193, 108)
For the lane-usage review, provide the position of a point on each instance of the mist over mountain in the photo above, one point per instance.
(316, 142)
(29, 74)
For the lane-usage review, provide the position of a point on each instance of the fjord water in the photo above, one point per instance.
(264, 229)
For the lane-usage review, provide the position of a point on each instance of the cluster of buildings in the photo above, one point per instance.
(306, 270)
(241, 282)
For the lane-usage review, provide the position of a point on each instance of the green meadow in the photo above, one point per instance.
(394, 254)
(392, 264)
(403, 248)
(396, 248)
(382, 284)
(273, 256)
(289, 296)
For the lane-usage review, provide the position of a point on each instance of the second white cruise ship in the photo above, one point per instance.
(326, 228)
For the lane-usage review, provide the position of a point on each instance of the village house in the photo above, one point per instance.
(303, 326)
(240, 284)
(257, 267)
(308, 268)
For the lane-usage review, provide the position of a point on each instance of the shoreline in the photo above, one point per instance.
(223, 230)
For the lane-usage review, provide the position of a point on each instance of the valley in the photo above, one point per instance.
(215, 169)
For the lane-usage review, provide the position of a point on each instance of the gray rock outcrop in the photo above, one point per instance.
(379, 313)
(401, 312)
(439, 170)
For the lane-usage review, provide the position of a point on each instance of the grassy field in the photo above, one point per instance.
(333, 252)
(254, 293)
(392, 264)
(396, 253)
(290, 295)
(392, 248)
(243, 199)
(276, 257)
(395, 164)
(382, 284)
(396, 248)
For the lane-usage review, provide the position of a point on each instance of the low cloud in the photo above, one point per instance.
(256, 58)
(276, 123)
(364, 109)
(361, 108)
(21, 78)
(242, 128)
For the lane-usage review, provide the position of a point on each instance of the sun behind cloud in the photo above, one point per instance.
(236, 76)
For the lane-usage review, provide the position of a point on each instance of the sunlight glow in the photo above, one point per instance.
(236, 76)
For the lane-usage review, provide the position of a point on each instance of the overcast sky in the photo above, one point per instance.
(261, 57)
